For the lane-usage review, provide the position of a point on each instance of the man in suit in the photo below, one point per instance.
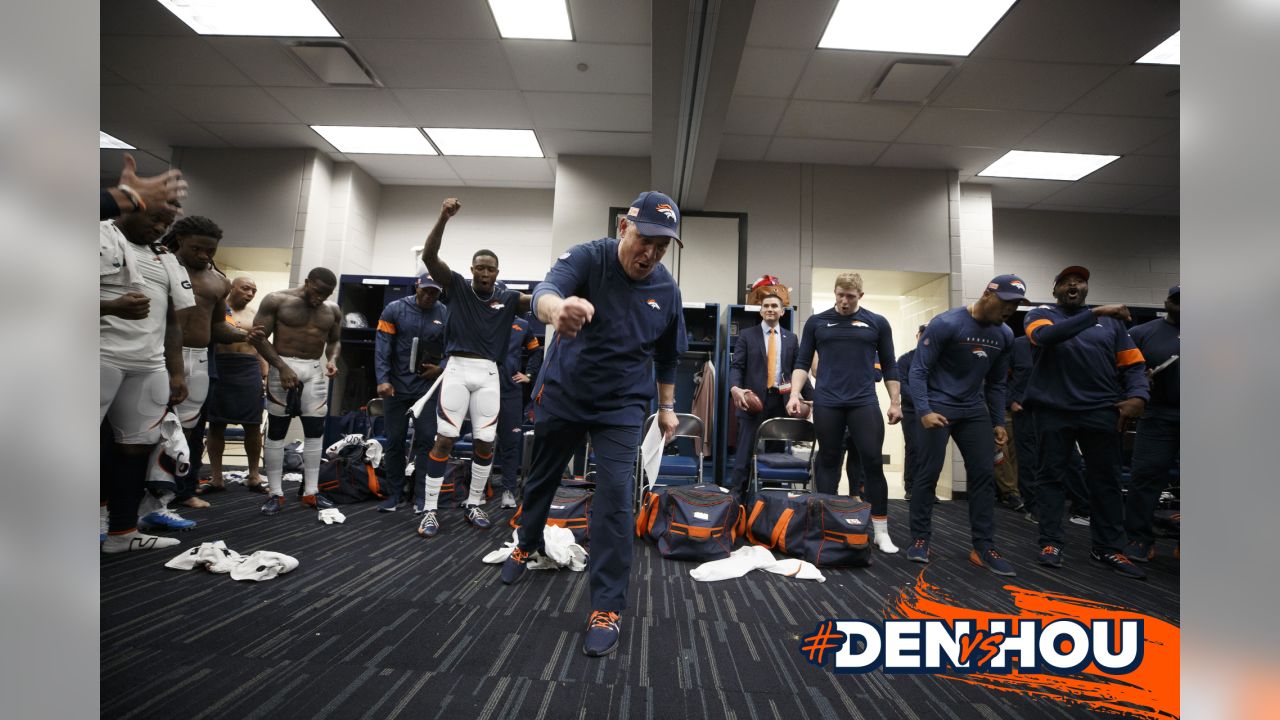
(763, 358)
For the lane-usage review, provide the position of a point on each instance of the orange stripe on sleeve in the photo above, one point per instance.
(386, 327)
(877, 366)
(1032, 328)
(533, 344)
(1132, 356)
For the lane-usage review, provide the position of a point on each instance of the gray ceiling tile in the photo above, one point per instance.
(846, 121)
(343, 106)
(1011, 85)
(266, 61)
(223, 104)
(1143, 90)
(843, 75)
(770, 72)
(422, 167)
(169, 61)
(438, 65)
(269, 135)
(1138, 170)
(590, 111)
(1102, 195)
(823, 152)
(968, 160)
(1013, 190)
(743, 147)
(973, 128)
(1167, 145)
(126, 102)
(438, 19)
(789, 24)
(539, 65)
(753, 115)
(584, 142)
(486, 168)
(466, 108)
(141, 17)
(1101, 134)
(610, 21)
(1080, 31)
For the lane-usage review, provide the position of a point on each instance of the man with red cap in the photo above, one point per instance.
(1087, 379)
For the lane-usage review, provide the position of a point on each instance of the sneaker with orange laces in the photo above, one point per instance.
(1118, 562)
(919, 551)
(603, 631)
(992, 560)
(1050, 556)
(514, 566)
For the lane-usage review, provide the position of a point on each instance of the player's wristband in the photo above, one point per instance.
(134, 197)
(669, 407)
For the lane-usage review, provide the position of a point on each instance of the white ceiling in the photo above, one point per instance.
(1052, 75)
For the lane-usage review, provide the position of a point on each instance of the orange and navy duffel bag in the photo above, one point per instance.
(691, 522)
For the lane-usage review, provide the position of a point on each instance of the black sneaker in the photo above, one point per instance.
(1080, 519)
(1050, 556)
(514, 566)
(1120, 564)
(1139, 551)
(603, 631)
(992, 560)
(1014, 502)
(919, 551)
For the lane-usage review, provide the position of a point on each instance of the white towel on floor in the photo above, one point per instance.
(263, 565)
(753, 557)
(560, 551)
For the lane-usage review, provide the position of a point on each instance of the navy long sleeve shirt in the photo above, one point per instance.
(904, 387)
(606, 373)
(850, 346)
(402, 321)
(960, 367)
(1159, 340)
(1019, 371)
(520, 346)
(1082, 361)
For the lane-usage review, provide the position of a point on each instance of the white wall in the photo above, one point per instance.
(516, 224)
(352, 220)
(586, 187)
(1131, 258)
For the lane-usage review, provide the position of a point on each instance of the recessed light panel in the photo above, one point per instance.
(927, 27)
(105, 141)
(484, 142)
(1046, 165)
(375, 140)
(1168, 52)
(532, 19)
(274, 18)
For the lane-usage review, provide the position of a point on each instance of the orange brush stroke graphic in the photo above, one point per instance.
(1150, 691)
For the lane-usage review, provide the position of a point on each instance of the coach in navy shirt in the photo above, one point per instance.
(957, 387)
(616, 312)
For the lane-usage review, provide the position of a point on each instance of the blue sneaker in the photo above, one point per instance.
(514, 566)
(388, 505)
(919, 551)
(273, 505)
(477, 516)
(1050, 556)
(1120, 564)
(318, 501)
(993, 561)
(165, 519)
(429, 525)
(1139, 551)
(603, 631)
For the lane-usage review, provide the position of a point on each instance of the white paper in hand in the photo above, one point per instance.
(651, 452)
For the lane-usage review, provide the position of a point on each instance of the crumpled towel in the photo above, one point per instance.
(263, 565)
(753, 557)
(373, 453)
(352, 439)
(216, 557)
(651, 452)
(560, 551)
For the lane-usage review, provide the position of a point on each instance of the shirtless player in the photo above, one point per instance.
(236, 396)
(302, 354)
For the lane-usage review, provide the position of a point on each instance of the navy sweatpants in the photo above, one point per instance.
(612, 514)
(396, 426)
(974, 436)
(510, 438)
(1057, 433)
(1155, 451)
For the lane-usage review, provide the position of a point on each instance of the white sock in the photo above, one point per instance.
(479, 478)
(881, 528)
(273, 463)
(311, 450)
(431, 496)
(153, 503)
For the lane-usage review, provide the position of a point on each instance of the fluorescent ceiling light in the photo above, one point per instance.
(276, 18)
(489, 143)
(1046, 165)
(1168, 52)
(532, 19)
(108, 142)
(928, 27)
(375, 140)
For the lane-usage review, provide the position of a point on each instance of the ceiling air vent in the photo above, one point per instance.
(334, 63)
(910, 82)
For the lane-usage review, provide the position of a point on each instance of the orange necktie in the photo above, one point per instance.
(772, 356)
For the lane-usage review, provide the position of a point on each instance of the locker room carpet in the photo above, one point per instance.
(378, 623)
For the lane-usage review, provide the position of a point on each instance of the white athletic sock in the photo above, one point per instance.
(431, 496)
(311, 449)
(273, 463)
(153, 503)
(479, 478)
(881, 528)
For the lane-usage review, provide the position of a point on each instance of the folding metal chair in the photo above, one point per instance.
(792, 467)
(678, 469)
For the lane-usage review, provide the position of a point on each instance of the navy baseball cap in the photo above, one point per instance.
(655, 215)
(1073, 270)
(1175, 291)
(1008, 287)
(424, 280)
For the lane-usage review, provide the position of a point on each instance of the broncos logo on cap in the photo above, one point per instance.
(665, 209)
(654, 304)
(1018, 284)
